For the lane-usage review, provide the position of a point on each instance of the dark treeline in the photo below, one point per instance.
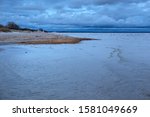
(10, 26)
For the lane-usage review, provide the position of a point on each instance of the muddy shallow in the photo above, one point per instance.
(115, 67)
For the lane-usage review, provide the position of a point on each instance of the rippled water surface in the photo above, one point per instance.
(117, 66)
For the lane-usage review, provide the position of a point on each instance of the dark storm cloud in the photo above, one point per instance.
(79, 3)
(76, 12)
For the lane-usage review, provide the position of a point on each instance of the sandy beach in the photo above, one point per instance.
(38, 38)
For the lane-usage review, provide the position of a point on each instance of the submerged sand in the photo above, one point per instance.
(38, 38)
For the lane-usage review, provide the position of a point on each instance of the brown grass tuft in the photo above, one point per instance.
(39, 38)
(3, 29)
(56, 41)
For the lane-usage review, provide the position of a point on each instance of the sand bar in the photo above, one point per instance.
(38, 38)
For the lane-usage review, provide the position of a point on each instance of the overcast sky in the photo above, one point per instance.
(45, 13)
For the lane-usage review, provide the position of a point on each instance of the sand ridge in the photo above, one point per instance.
(38, 38)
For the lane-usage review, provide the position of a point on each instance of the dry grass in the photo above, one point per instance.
(3, 29)
(56, 41)
(38, 38)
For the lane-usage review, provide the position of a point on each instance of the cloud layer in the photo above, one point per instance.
(46, 13)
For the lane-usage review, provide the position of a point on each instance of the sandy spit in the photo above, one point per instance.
(38, 38)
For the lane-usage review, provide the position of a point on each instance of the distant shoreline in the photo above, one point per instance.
(103, 30)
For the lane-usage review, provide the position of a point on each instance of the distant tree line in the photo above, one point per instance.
(13, 26)
(10, 25)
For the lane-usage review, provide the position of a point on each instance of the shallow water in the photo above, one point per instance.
(115, 67)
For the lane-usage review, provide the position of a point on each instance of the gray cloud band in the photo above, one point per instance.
(76, 12)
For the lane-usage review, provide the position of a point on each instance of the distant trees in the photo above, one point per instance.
(8, 27)
(12, 25)
(1, 26)
(40, 29)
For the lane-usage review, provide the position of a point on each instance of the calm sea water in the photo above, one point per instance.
(116, 66)
(100, 30)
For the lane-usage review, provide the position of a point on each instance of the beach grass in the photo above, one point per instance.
(68, 40)
(3, 29)
(39, 38)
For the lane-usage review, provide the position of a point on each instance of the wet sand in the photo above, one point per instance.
(116, 67)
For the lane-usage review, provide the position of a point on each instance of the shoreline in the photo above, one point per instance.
(38, 38)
